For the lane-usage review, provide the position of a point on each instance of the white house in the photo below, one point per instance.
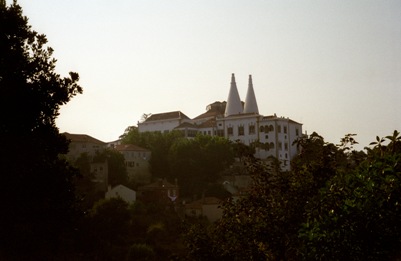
(120, 191)
(238, 121)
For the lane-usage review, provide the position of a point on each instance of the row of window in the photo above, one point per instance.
(131, 164)
(131, 154)
(268, 146)
(265, 129)
(241, 131)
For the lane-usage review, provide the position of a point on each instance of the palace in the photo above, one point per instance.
(237, 121)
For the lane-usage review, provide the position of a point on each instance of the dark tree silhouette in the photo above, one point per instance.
(37, 192)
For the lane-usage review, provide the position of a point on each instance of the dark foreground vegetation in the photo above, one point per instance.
(335, 204)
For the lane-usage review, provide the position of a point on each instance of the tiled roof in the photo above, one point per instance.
(274, 117)
(82, 138)
(208, 114)
(186, 125)
(166, 116)
(129, 147)
(208, 124)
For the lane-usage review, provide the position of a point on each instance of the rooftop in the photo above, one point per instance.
(82, 138)
(166, 116)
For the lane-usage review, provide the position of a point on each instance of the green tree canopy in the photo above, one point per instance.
(335, 204)
(197, 162)
(36, 184)
(116, 166)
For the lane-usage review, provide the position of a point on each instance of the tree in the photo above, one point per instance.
(158, 143)
(358, 215)
(107, 229)
(335, 204)
(37, 186)
(198, 162)
(116, 166)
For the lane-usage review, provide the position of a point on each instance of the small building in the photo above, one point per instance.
(120, 191)
(210, 207)
(136, 162)
(160, 191)
(163, 122)
(82, 143)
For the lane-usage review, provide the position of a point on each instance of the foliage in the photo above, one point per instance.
(116, 166)
(37, 184)
(359, 211)
(335, 204)
(104, 232)
(141, 252)
(86, 190)
(158, 143)
(198, 162)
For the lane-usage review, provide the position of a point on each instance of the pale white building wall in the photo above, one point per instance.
(281, 134)
(210, 131)
(120, 191)
(159, 125)
(242, 127)
(162, 126)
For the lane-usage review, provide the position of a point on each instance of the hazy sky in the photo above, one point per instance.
(334, 66)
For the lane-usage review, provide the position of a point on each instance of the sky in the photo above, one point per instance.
(334, 66)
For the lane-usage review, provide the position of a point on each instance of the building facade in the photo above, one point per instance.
(82, 143)
(136, 162)
(237, 121)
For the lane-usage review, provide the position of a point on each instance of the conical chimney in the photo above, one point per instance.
(251, 105)
(234, 105)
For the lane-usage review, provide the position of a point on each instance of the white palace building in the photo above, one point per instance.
(237, 121)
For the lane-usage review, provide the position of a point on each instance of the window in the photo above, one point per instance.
(267, 137)
(286, 146)
(285, 129)
(297, 132)
(262, 129)
(230, 131)
(279, 128)
(280, 145)
(271, 128)
(271, 145)
(240, 130)
(251, 129)
(220, 133)
(209, 133)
